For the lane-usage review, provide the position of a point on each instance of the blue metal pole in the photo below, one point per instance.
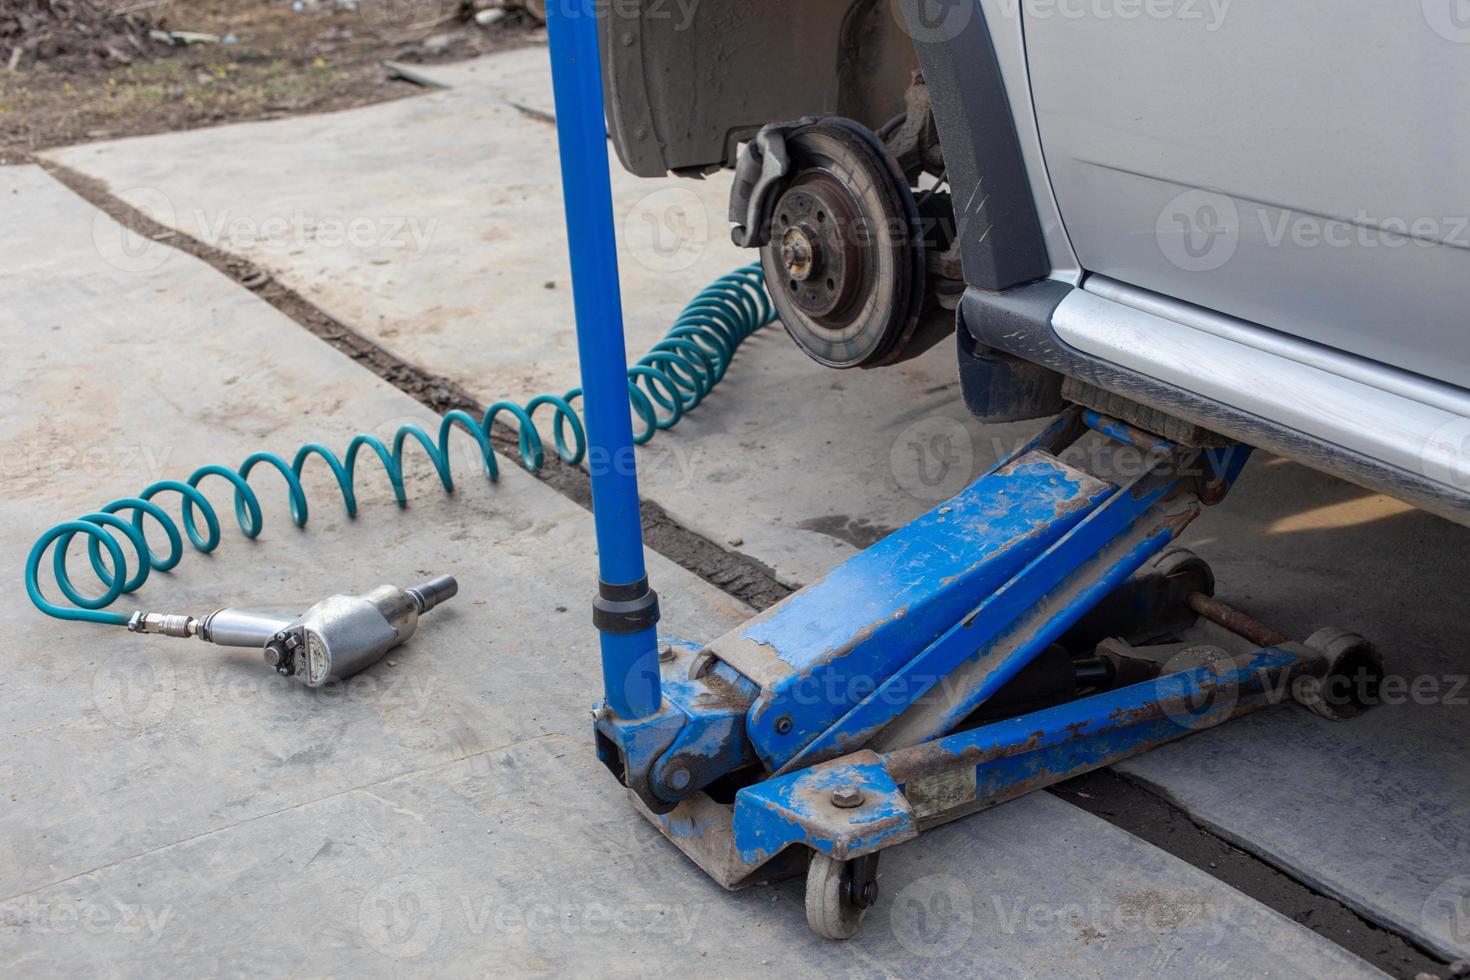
(626, 609)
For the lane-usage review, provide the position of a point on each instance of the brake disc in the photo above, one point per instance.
(845, 262)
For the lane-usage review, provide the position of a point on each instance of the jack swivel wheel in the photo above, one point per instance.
(1188, 571)
(1347, 683)
(839, 894)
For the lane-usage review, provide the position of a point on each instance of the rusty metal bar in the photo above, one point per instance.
(1236, 621)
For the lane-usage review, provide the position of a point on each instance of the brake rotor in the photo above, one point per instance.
(844, 263)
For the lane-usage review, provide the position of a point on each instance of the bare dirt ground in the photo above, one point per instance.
(72, 71)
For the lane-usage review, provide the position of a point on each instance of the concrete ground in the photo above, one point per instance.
(169, 805)
(458, 812)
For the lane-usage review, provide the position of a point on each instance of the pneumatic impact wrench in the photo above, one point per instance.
(331, 641)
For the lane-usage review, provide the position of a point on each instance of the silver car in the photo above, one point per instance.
(1219, 220)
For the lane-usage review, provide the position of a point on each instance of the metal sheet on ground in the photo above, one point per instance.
(166, 802)
(1375, 811)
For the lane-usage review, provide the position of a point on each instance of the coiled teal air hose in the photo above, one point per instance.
(671, 379)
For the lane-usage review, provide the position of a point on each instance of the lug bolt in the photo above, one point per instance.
(678, 778)
(665, 654)
(273, 656)
(847, 797)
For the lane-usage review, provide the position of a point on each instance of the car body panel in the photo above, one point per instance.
(1302, 166)
(1115, 322)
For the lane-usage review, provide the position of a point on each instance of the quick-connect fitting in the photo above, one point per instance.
(166, 624)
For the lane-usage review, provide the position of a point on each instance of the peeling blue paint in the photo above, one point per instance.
(797, 809)
(1009, 758)
(876, 611)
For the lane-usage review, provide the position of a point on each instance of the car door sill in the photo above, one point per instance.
(1383, 429)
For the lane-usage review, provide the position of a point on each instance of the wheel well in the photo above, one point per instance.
(686, 82)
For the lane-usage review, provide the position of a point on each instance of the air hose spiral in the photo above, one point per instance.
(671, 379)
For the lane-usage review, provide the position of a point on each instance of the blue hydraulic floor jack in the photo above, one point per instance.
(1030, 629)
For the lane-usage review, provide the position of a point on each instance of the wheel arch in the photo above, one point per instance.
(685, 82)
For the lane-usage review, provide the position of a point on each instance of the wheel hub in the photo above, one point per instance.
(821, 234)
(797, 254)
(842, 263)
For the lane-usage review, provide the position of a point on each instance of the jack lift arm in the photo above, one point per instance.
(1030, 629)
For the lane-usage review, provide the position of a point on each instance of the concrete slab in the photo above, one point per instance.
(165, 804)
(428, 873)
(128, 743)
(458, 229)
(1374, 811)
(802, 466)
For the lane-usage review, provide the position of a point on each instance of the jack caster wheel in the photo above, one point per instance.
(1181, 563)
(1349, 684)
(839, 894)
